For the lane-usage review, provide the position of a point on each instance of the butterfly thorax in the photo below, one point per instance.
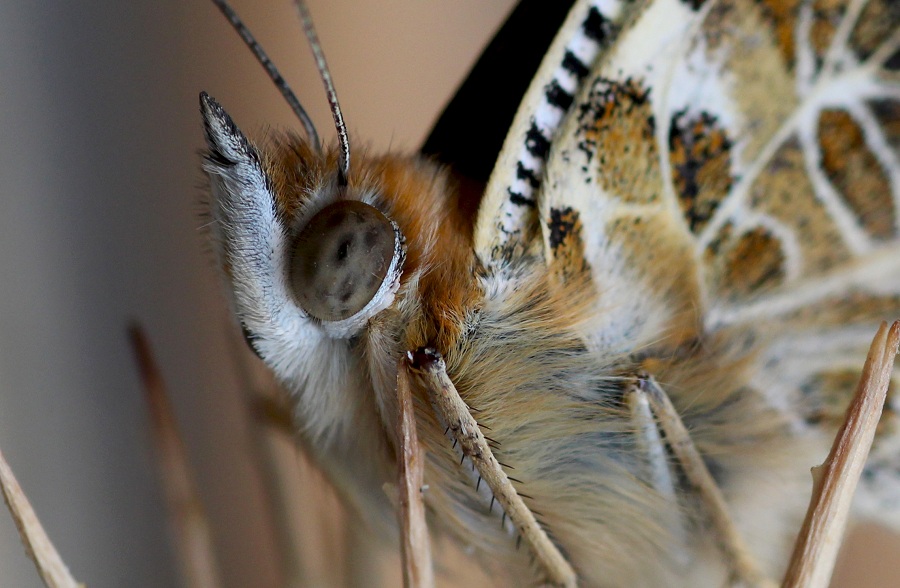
(552, 404)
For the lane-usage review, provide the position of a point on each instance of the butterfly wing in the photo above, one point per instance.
(727, 178)
(485, 103)
(730, 177)
(507, 220)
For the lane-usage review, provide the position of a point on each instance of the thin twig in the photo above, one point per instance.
(429, 364)
(271, 425)
(834, 482)
(186, 515)
(38, 546)
(415, 546)
(303, 514)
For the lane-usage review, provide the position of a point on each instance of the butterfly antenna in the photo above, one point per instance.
(340, 127)
(270, 68)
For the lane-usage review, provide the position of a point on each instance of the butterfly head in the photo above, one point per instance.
(334, 271)
(299, 242)
(312, 254)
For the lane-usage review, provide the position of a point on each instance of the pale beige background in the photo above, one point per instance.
(98, 176)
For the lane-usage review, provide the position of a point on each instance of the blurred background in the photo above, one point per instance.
(99, 184)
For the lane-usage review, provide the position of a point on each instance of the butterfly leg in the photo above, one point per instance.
(428, 364)
(744, 570)
(650, 442)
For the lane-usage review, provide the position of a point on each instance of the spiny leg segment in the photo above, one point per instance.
(428, 364)
(431, 369)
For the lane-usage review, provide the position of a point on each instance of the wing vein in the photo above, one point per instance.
(842, 36)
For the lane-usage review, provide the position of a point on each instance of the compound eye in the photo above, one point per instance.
(341, 258)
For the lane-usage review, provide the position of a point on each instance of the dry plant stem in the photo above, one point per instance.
(414, 541)
(835, 481)
(187, 518)
(429, 364)
(38, 546)
(744, 570)
(271, 415)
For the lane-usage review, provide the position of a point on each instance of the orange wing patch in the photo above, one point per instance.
(856, 173)
(617, 130)
(699, 151)
(566, 244)
(744, 265)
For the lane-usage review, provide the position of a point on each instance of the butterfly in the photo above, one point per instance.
(695, 203)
